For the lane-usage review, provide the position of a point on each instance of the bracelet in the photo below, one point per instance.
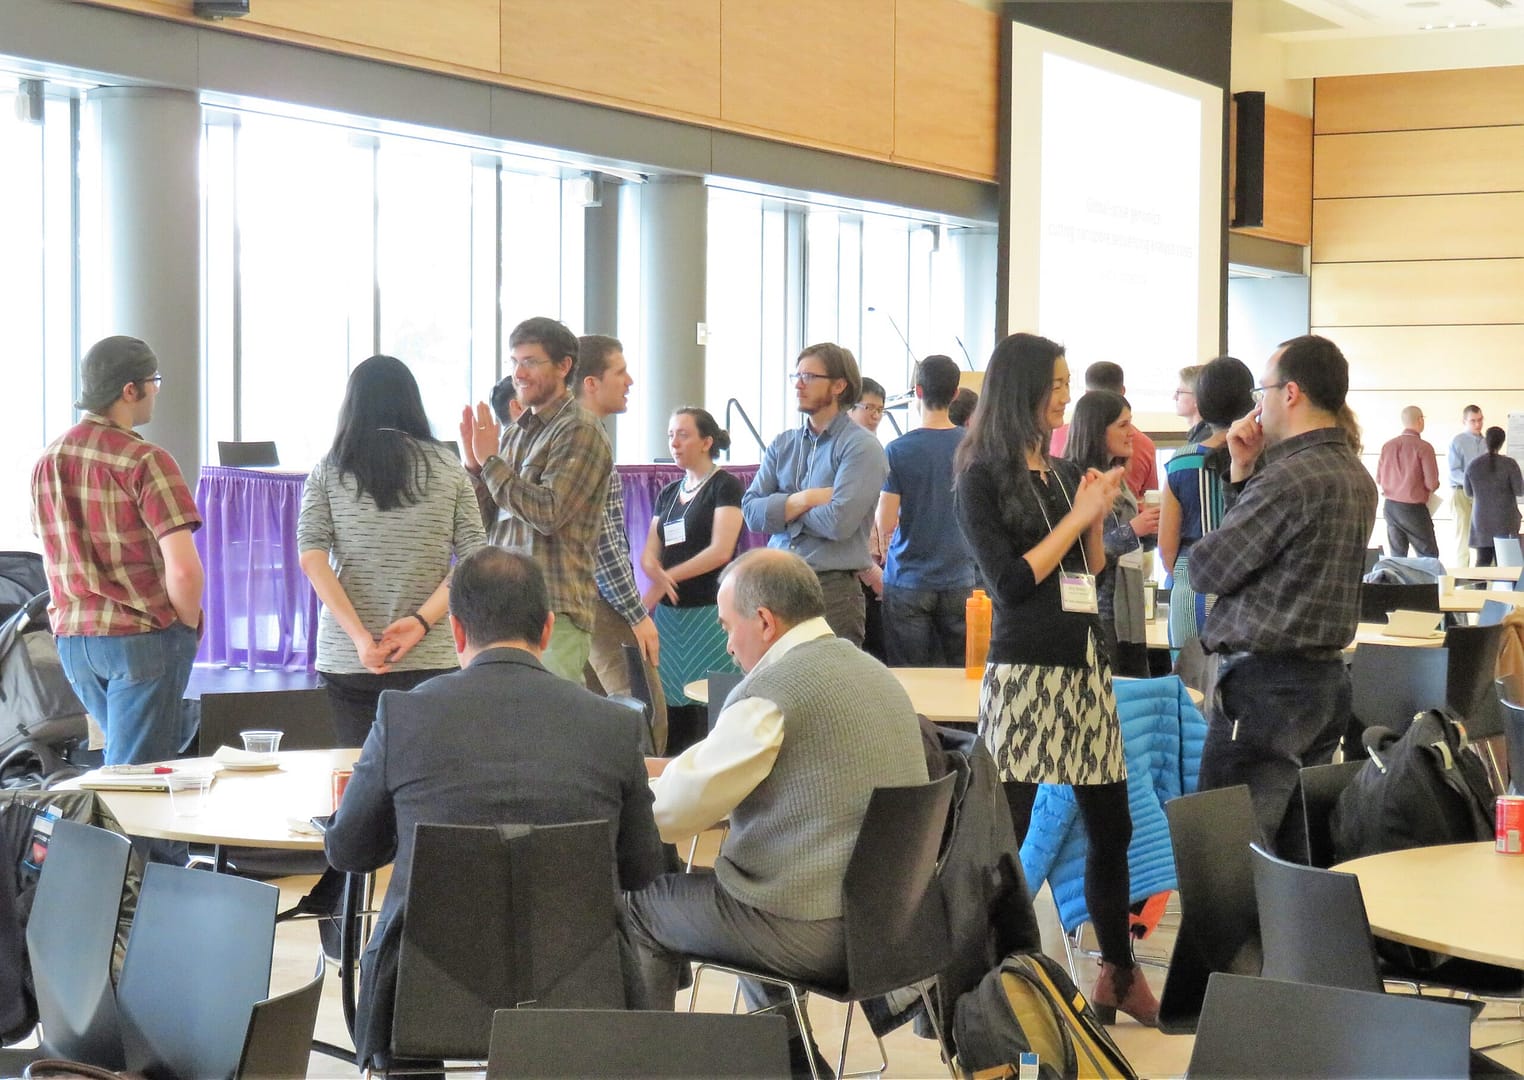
(422, 622)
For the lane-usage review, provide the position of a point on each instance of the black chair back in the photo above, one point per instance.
(1513, 736)
(70, 939)
(279, 1039)
(1390, 683)
(305, 717)
(1264, 1029)
(1372, 557)
(1210, 833)
(1379, 599)
(198, 960)
(640, 690)
(1471, 682)
(572, 1044)
(1313, 926)
(247, 455)
(896, 919)
(721, 683)
(499, 918)
(1308, 835)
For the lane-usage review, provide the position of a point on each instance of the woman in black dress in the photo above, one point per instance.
(1046, 707)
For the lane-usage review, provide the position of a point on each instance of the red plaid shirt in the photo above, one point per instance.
(101, 499)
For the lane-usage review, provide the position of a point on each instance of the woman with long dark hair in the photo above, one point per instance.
(1495, 485)
(383, 515)
(1046, 707)
(1100, 438)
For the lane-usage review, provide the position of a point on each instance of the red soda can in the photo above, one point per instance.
(341, 781)
(1510, 812)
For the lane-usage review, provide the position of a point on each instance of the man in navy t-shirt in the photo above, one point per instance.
(928, 572)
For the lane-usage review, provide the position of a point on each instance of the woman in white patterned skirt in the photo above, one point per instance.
(1046, 707)
(693, 536)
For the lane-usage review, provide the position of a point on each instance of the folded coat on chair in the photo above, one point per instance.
(1162, 737)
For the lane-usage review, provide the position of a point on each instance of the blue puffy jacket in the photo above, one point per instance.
(1162, 736)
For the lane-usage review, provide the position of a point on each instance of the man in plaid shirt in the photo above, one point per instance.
(1285, 564)
(540, 482)
(115, 519)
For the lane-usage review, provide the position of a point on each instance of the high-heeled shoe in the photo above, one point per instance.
(1124, 988)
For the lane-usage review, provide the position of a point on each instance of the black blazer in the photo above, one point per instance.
(501, 742)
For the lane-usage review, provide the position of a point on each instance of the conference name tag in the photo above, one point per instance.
(674, 533)
(1076, 592)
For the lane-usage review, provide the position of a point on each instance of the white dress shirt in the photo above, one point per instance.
(708, 780)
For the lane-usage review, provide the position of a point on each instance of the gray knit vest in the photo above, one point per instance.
(848, 727)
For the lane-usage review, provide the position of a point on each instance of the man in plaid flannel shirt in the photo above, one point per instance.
(115, 518)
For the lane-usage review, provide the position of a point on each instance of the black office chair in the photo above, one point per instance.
(278, 1041)
(721, 683)
(640, 689)
(247, 455)
(1471, 677)
(895, 919)
(198, 960)
(1210, 833)
(1390, 683)
(1372, 557)
(501, 918)
(589, 1044)
(1267, 1029)
(305, 717)
(1307, 836)
(69, 939)
(1377, 600)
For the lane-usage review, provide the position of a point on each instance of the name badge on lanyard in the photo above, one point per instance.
(1076, 592)
(674, 533)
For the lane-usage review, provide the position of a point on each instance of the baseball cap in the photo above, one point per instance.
(110, 364)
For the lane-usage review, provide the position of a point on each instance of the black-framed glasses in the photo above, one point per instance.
(1183, 392)
(1259, 392)
(805, 377)
(155, 378)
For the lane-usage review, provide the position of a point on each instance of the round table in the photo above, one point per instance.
(1458, 899)
(942, 695)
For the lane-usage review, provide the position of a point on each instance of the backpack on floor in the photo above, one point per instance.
(1423, 788)
(1029, 1004)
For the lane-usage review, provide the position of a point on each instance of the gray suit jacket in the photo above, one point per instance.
(501, 742)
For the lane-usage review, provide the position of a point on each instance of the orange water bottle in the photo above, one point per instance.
(978, 614)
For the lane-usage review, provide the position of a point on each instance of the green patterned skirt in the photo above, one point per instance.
(692, 645)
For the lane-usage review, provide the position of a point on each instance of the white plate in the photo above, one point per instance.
(249, 766)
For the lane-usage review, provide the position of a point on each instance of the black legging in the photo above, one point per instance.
(1108, 821)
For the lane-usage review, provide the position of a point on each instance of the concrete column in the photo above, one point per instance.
(151, 247)
(600, 276)
(673, 252)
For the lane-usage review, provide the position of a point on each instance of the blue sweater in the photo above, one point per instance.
(1162, 736)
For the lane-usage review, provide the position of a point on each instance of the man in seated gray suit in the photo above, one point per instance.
(503, 741)
(803, 740)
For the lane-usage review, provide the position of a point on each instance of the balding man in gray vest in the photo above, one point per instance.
(812, 729)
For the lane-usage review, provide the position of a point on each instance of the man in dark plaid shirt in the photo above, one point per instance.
(1285, 564)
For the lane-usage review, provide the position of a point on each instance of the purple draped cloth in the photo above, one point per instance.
(261, 611)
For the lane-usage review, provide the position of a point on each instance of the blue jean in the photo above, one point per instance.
(1270, 716)
(134, 686)
(924, 627)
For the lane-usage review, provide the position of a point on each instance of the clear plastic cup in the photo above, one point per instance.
(187, 793)
(261, 742)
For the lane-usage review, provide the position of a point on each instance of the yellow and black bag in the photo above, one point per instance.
(1030, 1005)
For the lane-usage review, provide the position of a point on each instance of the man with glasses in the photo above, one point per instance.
(1285, 564)
(540, 483)
(1464, 449)
(115, 518)
(818, 484)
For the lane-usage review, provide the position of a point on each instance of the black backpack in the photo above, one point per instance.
(1419, 789)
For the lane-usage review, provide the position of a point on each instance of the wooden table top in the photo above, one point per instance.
(243, 809)
(1487, 573)
(1459, 899)
(1369, 633)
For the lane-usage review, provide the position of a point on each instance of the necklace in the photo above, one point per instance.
(688, 489)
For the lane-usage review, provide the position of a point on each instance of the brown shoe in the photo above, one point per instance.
(1124, 988)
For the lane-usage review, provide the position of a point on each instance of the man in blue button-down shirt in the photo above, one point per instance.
(1464, 449)
(819, 483)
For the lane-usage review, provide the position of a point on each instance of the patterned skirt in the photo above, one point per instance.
(1046, 724)
(692, 645)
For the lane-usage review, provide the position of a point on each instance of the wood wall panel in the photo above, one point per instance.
(821, 71)
(1474, 97)
(946, 80)
(1288, 178)
(659, 53)
(1419, 162)
(1420, 294)
(462, 33)
(1435, 357)
(1419, 227)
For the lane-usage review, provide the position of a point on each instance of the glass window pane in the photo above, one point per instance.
(21, 313)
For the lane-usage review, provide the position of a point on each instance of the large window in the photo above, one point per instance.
(37, 287)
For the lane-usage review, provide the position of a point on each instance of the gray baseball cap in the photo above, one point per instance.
(110, 364)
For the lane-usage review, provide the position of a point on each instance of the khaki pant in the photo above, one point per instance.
(567, 653)
(607, 674)
(1460, 506)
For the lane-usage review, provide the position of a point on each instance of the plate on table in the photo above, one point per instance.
(236, 760)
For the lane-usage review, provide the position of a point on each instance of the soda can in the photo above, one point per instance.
(341, 781)
(1510, 812)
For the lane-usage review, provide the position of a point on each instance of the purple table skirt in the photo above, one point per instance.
(260, 610)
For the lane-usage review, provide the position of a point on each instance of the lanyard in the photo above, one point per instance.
(692, 498)
(1049, 521)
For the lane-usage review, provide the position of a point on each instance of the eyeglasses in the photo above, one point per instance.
(156, 379)
(805, 377)
(528, 362)
(871, 410)
(1182, 392)
(1260, 391)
